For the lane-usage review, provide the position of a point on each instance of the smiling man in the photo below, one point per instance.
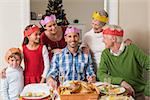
(72, 63)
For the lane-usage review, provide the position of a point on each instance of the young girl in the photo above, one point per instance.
(53, 36)
(12, 85)
(36, 57)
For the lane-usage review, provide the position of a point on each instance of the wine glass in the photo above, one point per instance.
(52, 89)
(107, 82)
(52, 93)
(61, 78)
(107, 79)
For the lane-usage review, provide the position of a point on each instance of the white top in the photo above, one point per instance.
(46, 61)
(12, 85)
(121, 49)
(95, 43)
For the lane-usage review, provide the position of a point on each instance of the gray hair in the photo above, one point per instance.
(118, 38)
(103, 12)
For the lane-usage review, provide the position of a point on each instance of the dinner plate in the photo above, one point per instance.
(114, 97)
(111, 89)
(99, 83)
(36, 88)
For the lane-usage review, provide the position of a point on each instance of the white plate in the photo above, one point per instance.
(119, 97)
(99, 83)
(120, 89)
(35, 88)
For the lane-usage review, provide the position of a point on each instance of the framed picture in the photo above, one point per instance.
(33, 16)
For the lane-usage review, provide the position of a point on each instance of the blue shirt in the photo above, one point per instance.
(73, 67)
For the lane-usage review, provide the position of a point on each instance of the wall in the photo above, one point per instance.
(134, 17)
(14, 17)
(38, 6)
(112, 7)
(81, 9)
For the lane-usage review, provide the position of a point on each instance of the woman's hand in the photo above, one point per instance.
(43, 80)
(128, 87)
(85, 50)
(128, 42)
(52, 82)
(56, 50)
(3, 73)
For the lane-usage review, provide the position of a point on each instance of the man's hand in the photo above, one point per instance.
(128, 42)
(56, 50)
(52, 82)
(3, 73)
(42, 80)
(85, 50)
(91, 79)
(128, 87)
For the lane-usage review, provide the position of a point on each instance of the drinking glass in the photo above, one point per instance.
(61, 78)
(107, 80)
(52, 93)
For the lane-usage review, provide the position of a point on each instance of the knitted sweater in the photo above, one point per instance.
(128, 66)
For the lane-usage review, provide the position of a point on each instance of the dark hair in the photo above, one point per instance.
(26, 28)
(25, 41)
(42, 29)
(43, 17)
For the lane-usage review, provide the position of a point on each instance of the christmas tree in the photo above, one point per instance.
(55, 7)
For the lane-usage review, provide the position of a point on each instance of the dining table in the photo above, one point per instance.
(102, 96)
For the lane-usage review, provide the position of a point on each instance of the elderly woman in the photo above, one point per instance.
(93, 39)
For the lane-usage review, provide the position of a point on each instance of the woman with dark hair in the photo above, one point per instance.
(53, 35)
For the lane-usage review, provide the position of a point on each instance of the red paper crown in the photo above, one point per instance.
(113, 32)
(31, 30)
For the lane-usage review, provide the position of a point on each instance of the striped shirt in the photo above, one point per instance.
(73, 67)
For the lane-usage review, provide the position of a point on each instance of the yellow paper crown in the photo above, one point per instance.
(99, 17)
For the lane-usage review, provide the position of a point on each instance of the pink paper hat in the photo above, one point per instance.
(72, 30)
(48, 19)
